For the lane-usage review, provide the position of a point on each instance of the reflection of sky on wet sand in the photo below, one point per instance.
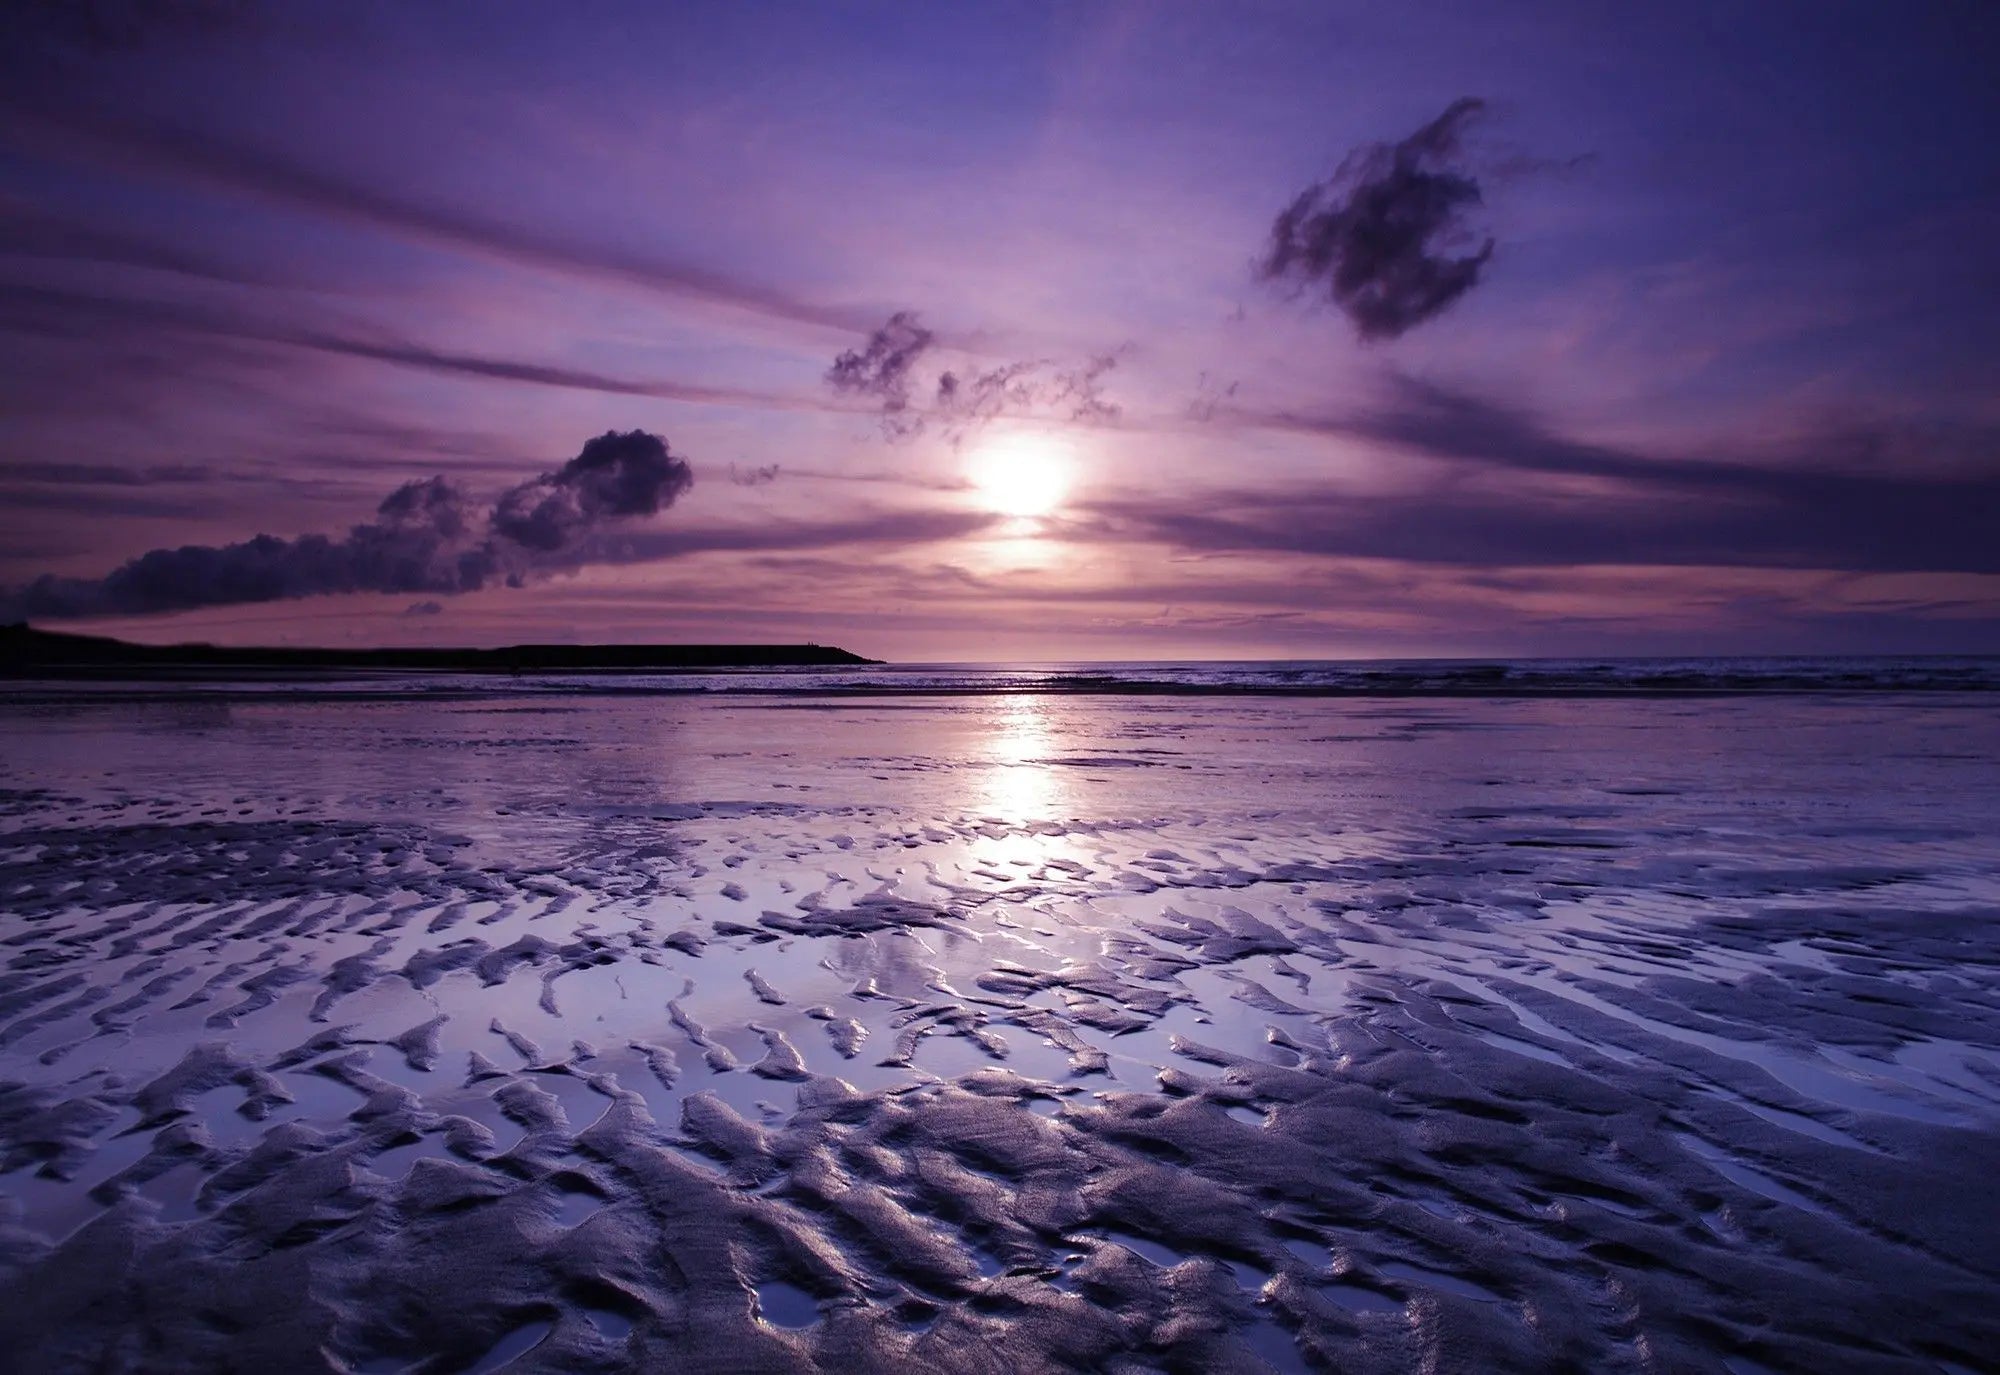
(1020, 785)
(1531, 854)
(497, 912)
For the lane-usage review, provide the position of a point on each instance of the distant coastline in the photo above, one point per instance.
(821, 671)
(28, 652)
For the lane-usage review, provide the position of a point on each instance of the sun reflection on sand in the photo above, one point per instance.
(1022, 787)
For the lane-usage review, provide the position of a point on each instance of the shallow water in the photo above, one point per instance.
(559, 1031)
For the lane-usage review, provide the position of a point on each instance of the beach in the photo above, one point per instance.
(989, 1021)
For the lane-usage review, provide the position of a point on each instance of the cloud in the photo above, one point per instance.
(28, 231)
(885, 372)
(967, 403)
(104, 474)
(1075, 394)
(1926, 509)
(760, 476)
(1383, 236)
(428, 536)
(1212, 398)
(880, 370)
(871, 530)
(43, 124)
(158, 489)
(616, 475)
(59, 312)
(424, 609)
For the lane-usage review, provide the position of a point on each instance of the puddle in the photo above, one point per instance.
(989, 1263)
(953, 1057)
(1356, 1299)
(1029, 1053)
(1247, 1275)
(1163, 1256)
(1743, 1365)
(511, 1347)
(581, 1104)
(1275, 1347)
(319, 1099)
(572, 1206)
(613, 1327)
(1520, 1047)
(786, 1305)
(1796, 1122)
(1743, 1175)
(395, 1162)
(1434, 1279)
(175, 1192)
(1316, 1254)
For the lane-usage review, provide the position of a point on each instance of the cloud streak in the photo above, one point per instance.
(61, 312)
(41, 126)
(427, 536)
(1383, 236)
(1929, 513)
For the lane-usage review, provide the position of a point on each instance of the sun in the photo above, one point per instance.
(1023, 474)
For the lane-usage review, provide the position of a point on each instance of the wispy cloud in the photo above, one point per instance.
(61, 312)
(28, 231)
(42, 126)
(103, 474)
(911, 396)
(1929, 510)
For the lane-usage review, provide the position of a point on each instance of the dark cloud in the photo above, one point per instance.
(760, 476)
(47, 124)
(104, 474)
(872, 529)
(28, 231)
(64, 313)
(886, 372)
(153, 489)
(1450, 424)
(1930, 510)
(615, 475)
(424, 609)
(428, 536)
(1388, 235)
(881, 369)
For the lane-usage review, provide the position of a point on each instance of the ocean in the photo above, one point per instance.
(1497, 1016)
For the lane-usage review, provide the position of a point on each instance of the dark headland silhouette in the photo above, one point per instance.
(28, 652)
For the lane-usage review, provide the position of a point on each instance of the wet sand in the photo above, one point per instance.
(1003, 1033)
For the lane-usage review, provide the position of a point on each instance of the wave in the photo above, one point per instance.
(1443, 678)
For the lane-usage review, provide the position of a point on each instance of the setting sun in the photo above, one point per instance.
(1022, 474)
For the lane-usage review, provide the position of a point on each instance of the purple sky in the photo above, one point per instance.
(1728, 381)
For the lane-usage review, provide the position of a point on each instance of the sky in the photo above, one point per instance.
(1005, 331)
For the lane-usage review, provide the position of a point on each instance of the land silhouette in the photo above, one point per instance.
(26, 651)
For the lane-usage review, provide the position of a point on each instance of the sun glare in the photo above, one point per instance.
(1021, 475)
